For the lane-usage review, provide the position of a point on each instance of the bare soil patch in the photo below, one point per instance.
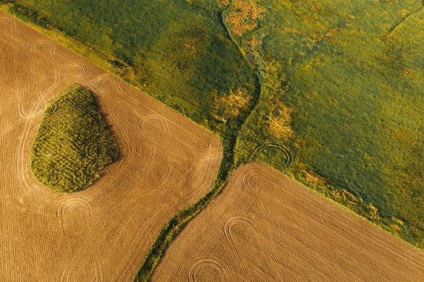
(103, 233)
(267, 227)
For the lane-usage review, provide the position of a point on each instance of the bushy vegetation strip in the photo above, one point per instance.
(73, 144)
(227, 166)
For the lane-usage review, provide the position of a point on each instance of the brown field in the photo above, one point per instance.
(267, 227)
(104, 232)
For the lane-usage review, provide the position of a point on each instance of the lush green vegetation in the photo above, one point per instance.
(73, 143)
(341, 95)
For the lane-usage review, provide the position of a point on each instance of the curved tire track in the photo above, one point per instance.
(289, 157)
(145, 121)
(207, 265)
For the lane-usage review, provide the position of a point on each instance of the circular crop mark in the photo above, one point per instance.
(277, 155)
(50, 45)
(74, 204)
(248, 181)
(75, 68)
(235, 221)
(151, 119)
(207, 266)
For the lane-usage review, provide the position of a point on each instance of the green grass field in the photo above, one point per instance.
(328, 91)
(74, 144)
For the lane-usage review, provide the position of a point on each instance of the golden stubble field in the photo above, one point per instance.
(267, 227)
(104, 232)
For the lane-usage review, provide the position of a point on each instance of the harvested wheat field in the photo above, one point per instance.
(104, 232)
(267, 227)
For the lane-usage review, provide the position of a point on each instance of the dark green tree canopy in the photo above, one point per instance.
(74, 143)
